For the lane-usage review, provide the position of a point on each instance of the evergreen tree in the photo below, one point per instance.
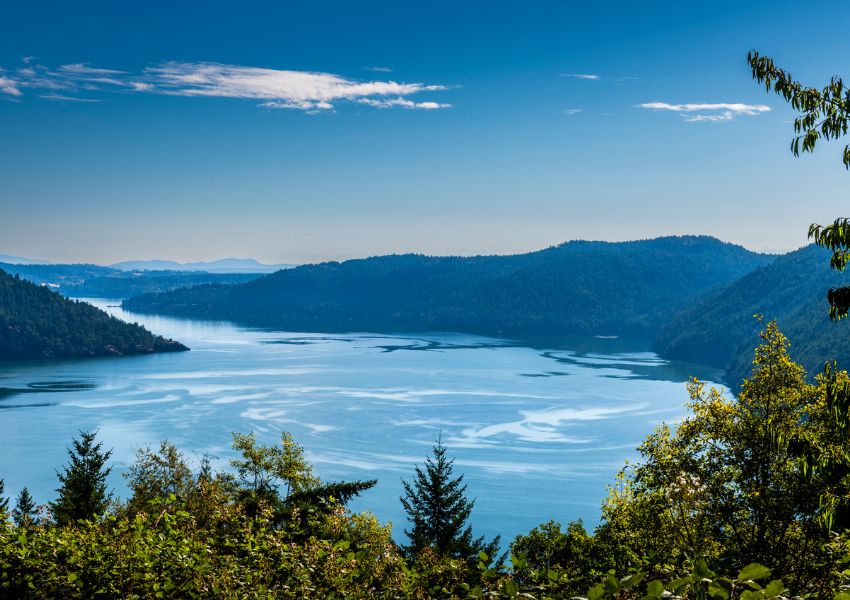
(4, 501)
(24, 512)
(82, 493)
(438, 510)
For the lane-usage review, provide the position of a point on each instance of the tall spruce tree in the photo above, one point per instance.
(4, 501)
(82, 493)
(24, 512)
(438, 510)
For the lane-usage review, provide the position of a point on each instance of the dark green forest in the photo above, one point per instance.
(93, 281)
(36, 323)
(719, 327)
(578, 288)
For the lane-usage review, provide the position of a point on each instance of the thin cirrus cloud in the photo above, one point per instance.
(61, 98)
(402, 102)
(708, 112)
(587, 76)
(273, 88)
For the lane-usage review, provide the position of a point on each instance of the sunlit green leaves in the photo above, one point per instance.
(753, 571)
(825, 114)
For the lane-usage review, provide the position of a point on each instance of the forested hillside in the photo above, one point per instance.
(719, 328)
(93, 281)
(38, 323)
(583, 288)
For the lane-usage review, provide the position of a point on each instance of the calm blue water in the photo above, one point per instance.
(538, 432)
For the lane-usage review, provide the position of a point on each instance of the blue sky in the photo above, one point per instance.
(313, 131)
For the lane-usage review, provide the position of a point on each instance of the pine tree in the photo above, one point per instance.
(82, 493)
(438, 510)
(24, 512)
(4, 501)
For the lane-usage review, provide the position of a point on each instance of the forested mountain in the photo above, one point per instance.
(584, 288)
(719, 328)
(93, 281)
(38, 323)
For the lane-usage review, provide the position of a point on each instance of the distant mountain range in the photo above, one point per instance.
(19, 260)
(92, 281)
(224, 265)
(37, 323)
(577, 288)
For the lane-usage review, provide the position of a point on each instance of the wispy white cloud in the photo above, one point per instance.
(84, 69)
(572, 111)
(61, 98)
(275, 88)
(717, 112)
(141, 86)
(587, 76)
(402, 102)
(379, 69)
(727, 115)
(304, 90)
(9, 86)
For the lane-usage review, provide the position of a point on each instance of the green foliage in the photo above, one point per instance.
(821, 448)
(825, 112)
(438, 510)
(25, 511)
(825, 115)
(743, 479)
(261, 467)
(835, 237)
(37, 323)
(158, 474)
(582, 288)
(82, 490)
(163, 478)
(330, 494)
(178, 547)
(546, 549)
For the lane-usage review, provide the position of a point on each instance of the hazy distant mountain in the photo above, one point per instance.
(626, 288)
(224, 265)
(38, 323)
(719, 329)
(93, 281)
(20, 260)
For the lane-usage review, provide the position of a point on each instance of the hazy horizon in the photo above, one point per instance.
(211, 259)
